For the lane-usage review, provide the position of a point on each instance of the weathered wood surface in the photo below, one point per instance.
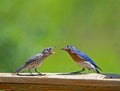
(60, 82)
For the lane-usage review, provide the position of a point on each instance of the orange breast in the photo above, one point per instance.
(75, 57)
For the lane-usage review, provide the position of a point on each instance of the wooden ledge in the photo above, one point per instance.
(59, 81)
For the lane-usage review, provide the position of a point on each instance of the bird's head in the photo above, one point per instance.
(70, 48)
(48, 51)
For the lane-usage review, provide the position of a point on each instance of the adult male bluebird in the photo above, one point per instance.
(35, 61)
(81, 59)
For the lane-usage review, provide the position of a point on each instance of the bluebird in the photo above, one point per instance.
(81, 59)
(35, 61)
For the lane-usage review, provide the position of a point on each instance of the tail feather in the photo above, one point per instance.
(19, 70)
(96, 70)
(99, 68)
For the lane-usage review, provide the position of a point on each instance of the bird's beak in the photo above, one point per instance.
(63, 48)
(53, 52)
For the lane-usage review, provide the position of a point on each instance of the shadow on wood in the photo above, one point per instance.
(112, 76)
(60, 82)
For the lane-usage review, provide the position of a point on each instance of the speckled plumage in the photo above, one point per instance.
(81, 59)
(35, 61)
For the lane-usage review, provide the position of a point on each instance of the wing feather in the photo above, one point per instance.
(87, 58)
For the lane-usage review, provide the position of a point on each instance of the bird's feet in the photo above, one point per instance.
(39, 72)
(77, 72)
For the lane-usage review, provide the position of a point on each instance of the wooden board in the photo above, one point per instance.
(60, 82)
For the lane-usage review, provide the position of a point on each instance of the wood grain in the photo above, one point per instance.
(60, 82)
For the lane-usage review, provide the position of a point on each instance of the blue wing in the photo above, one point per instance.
(85, 57)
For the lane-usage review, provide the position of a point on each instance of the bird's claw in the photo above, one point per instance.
(77, 72)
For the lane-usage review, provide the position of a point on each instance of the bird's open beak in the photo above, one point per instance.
(53, 52)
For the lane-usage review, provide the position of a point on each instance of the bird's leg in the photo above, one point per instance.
(38, 72)
(18, 74)
(77, 72)
(30, 71)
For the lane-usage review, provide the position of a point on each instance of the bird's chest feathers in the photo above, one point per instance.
(36, 62)
(75, 57)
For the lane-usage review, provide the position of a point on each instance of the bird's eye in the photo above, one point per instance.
(50, 49)
(67, 46)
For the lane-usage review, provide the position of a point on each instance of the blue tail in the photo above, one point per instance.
(97, 71)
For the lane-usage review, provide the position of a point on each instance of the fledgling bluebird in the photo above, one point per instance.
(81, 59)
(35, 61)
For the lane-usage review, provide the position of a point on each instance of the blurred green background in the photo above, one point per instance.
(29, 26)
